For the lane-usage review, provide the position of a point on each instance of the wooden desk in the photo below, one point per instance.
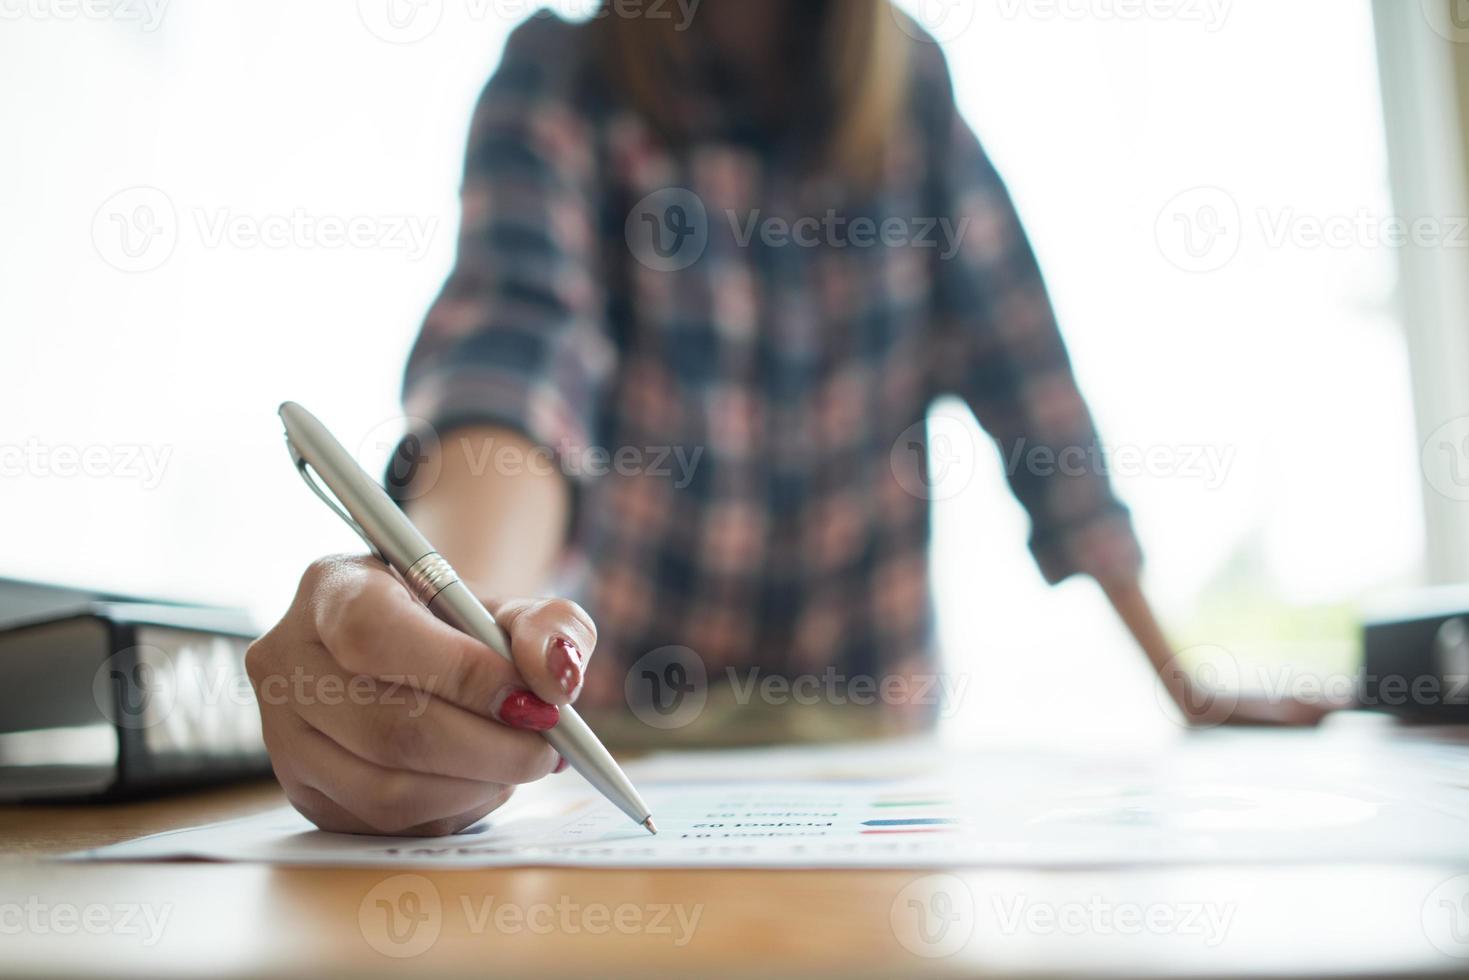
(250, 921)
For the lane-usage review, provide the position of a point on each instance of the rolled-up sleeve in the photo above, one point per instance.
(518, 336)
(999, 348)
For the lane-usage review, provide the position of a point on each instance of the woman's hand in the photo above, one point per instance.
(381, 719)
(1200, 705)
(1207, 709)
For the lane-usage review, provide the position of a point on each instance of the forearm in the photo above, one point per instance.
(1131, 604)
(1204, 706)
(495, 509)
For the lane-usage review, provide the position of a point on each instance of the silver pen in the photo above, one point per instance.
(392, 538)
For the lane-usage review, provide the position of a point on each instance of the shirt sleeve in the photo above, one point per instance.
(518, 335)
(999, 347)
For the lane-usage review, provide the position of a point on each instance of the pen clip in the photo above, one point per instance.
(308, 474)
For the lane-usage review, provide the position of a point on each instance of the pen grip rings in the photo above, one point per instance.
(429, 576)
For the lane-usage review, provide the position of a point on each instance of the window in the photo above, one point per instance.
(1206, 185)
(1205, 182)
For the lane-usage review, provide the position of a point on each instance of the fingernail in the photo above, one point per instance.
(565, 663)
(560, 765)
(522, 709)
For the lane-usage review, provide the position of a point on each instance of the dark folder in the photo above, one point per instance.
(107, 697)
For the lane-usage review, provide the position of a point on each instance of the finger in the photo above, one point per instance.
(550, 641)
(386, 801)
(371, 625)
(399, 727)
(316, 807)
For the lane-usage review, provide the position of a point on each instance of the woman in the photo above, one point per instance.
(756, 245)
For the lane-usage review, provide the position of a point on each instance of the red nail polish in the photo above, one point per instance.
(565, 663)
(522, 709)
(561, 765)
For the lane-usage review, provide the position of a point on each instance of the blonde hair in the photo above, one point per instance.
(860, 70)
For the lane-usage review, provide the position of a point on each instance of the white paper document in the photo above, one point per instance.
(914, 805)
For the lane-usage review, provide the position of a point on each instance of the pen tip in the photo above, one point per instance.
(649, 824)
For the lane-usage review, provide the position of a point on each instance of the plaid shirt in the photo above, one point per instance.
(793, 377)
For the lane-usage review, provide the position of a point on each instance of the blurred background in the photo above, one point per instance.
(1251, 216)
